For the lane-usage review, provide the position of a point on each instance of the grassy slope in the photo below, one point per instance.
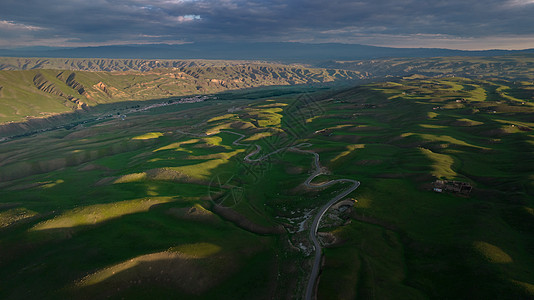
(67, 214)
(129, 197)
(411, 243)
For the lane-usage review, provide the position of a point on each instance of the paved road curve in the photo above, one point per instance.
(317, 219)
(310, 288)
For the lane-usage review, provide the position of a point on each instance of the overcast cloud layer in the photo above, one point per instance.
(460, 24)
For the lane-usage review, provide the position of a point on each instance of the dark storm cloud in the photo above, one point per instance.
(104, 22)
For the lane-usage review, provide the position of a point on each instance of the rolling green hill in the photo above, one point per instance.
(511, 67)
(126, 208)
(163, 204)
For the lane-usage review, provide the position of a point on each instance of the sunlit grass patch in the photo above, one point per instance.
(492, 253)
(270, 105)
(223, 117)
(218, 128)
(452, 85)
(15, 215)
(345, 126)
(468, 122)
(192, 274)
(52, 184)
(147, 136)
(350, 149)
(441, 138)
(203, 170)
(431, 115)
(212, 140)
(220, 155)
(108, 272)
(178, 146)
(266, 117)
(131, 178)
(502, 92)
(198, 250)
(432, 126)
(98, 213)
(478, 94)
(442, 164)
(515, 123)
(527, 287)
(259, 136)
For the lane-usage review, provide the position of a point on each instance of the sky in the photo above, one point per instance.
(453, 24)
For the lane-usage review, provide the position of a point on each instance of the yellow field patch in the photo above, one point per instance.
(147, 136)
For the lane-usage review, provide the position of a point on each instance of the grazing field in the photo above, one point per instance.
(407, 241)
(162, 203)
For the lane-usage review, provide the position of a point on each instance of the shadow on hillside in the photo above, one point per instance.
(103, 112)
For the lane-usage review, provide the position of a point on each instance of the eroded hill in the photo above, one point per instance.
(35, 92)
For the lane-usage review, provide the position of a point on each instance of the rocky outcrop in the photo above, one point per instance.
(75, 85)
(103, 88)
(46, 86)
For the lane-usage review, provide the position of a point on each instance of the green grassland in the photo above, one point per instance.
(132, 208)
(510, 67)
(406, 241)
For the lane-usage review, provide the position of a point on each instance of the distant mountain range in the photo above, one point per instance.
(286, 52)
